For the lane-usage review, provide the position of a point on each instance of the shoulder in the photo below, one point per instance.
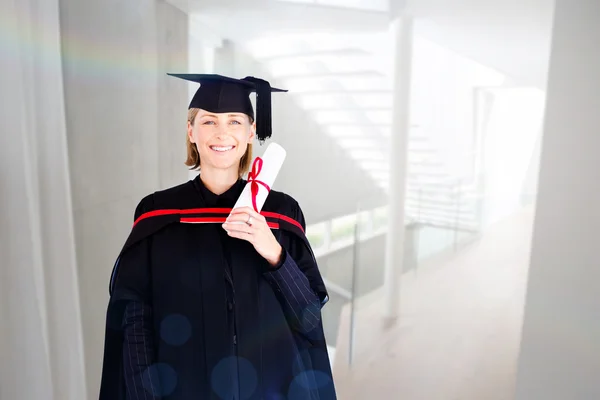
(279, 201)
(283, 203)
(180, 196)
(172, 198)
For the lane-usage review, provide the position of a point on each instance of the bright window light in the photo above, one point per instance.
(272, 46)
(364, 83)
(329, 57)
(420, 158)
(325, 117)
(380, 217)
(373, 100)
(383, 185)
(375, 165)
(343, 227)
(315, 83)
(380, 176)
(350, 82)
(345, 131)
(358, 143)
(369, 155)
(321, 40)
(347, 64)
(380, 117)
(292, 45)
(298, 86)
(318, 101)
(283, 69)
(315, 234)
(385, 131)
(322, 98)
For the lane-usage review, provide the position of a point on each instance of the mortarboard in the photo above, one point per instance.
(221, 94)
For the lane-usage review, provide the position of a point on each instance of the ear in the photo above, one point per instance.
(189, 132)
(252, 132)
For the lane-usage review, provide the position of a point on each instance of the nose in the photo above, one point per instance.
(222, 134)
(222, 131)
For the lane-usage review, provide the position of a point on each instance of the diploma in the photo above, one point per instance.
(261, 178)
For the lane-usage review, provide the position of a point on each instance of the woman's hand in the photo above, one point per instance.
(246, 224)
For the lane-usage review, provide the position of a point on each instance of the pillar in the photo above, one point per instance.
(402, 28)
(41, 339)
(560, 346)
(125, 122)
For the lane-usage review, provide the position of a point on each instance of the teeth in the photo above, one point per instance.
(221, 148)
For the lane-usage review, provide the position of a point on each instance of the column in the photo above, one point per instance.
(402, 28)
(173, 37)
(225, 59)
(560, 345)
(41, 339)
(111, 113)
(125, 122)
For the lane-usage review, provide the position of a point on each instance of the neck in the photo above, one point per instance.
(218, 181)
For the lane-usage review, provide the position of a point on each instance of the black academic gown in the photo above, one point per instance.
(213, 299)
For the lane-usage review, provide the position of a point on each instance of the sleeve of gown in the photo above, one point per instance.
(138, 353)
(300, 302)
(133, 286)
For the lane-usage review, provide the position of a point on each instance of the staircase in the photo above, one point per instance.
(346, 89)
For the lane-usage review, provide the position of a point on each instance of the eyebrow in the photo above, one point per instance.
(229, 115)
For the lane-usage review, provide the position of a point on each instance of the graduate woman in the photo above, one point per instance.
(212, 304)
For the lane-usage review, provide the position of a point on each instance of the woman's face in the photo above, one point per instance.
(221, 138)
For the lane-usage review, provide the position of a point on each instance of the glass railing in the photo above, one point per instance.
(351, 253)
(337, 233)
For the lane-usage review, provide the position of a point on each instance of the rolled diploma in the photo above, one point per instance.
(272, 161)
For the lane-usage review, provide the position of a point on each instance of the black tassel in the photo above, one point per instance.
(263, 108)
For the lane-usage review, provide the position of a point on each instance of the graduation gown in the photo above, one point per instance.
(220, 322)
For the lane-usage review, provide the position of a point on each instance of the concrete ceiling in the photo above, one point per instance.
(512, 36)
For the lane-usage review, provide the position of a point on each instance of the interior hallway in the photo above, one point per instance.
(459, 331)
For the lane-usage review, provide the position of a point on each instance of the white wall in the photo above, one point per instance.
(530, 184)
(126, 132)
(442, 102)
(560, 347)
(172, 41)
(509, 143)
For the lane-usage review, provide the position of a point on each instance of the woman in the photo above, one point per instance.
(209, 303)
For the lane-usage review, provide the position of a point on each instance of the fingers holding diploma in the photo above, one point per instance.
(246, 224)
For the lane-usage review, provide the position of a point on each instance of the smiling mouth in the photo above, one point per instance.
(221, 149)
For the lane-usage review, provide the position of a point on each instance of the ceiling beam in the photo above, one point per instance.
(348, 108)
(332, 74)
(339, 52)
(340, 91)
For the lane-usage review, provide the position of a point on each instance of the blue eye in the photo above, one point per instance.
(236, 122)
(208, 123)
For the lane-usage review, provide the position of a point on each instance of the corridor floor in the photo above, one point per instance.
(458, 334)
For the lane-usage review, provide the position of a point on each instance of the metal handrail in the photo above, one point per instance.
(409, 219)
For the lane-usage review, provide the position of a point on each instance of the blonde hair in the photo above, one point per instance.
(193, 157)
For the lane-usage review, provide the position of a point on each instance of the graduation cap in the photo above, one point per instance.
(221, 94)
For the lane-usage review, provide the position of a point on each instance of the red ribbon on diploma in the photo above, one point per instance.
(254, 182)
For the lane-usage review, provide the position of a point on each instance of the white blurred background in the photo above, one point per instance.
(443, 152)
